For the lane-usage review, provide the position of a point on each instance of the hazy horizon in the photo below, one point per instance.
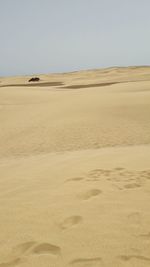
(73, 71)
(59, 36)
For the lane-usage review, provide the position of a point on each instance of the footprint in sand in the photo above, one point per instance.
(119, 173)
(107, 174)
(29, 248)
(13, 263)
(129, 258)
(18, 251)
(146, 174)
(75, 179)
(91, 262)
(46, 248)
(145, 236)
(70, 222)
(89, 194)
(119, 169)
(132, 186)
(98, 173)
(95, 173)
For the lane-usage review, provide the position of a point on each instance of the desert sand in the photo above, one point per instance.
(75, 169)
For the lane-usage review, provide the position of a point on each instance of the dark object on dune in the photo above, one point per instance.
(34, 79)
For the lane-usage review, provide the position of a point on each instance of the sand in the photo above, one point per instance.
(75, 169)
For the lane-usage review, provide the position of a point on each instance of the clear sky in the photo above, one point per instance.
(43, 36)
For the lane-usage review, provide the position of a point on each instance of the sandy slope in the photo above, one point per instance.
(75, 169)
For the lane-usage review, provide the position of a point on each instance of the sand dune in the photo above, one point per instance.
(75, 169)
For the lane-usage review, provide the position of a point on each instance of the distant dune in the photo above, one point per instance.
(75, 169)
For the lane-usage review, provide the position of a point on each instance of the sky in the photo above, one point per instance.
(49, 36)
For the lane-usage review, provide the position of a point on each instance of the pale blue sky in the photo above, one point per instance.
(43, 36)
